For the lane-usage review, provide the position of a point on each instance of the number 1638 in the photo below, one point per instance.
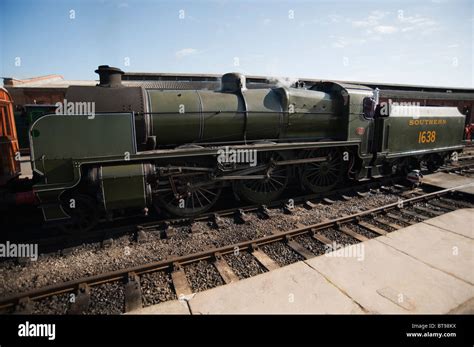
(426, 136)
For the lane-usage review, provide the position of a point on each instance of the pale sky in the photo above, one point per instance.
(428, 42)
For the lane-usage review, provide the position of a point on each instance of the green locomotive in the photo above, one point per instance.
(177, 149)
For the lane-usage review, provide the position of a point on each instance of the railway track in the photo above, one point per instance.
(413, 206)
(463, 167)
(65, 242)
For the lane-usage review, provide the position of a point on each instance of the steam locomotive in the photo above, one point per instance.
(178, 149)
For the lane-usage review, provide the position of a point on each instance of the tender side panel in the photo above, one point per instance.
(423, 129)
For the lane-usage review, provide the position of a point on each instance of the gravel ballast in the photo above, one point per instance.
(93, 259)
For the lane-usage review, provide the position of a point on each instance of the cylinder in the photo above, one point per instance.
(122, 186)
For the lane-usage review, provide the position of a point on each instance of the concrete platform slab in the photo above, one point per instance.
(459, 222)
(411, 270)
(465, 308)
(292, 289)
(167, 307)
(445, 180)
(446, 251)
(389, 281)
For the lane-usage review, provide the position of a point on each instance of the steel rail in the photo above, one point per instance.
(122, 274)
(112, 231)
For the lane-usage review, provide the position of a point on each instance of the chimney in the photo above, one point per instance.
(109, 76)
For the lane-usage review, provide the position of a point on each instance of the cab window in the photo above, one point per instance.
(368, 105)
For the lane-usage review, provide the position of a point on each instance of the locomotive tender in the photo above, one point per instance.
(164, 148)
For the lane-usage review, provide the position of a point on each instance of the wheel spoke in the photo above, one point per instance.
(205, 197)
(278, 182)
(269, 188)
(196, 200)
(322, 176)
(209, 192)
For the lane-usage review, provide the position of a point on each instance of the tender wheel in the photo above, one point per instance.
(265, 190)
(432, 166)
(387, 169)
(407, 165)
(433, 162)
(83, 211)
(322, 176)
(188, 195)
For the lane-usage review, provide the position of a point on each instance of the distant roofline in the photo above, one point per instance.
(43, 81)
(11, 81)
(135, 76)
